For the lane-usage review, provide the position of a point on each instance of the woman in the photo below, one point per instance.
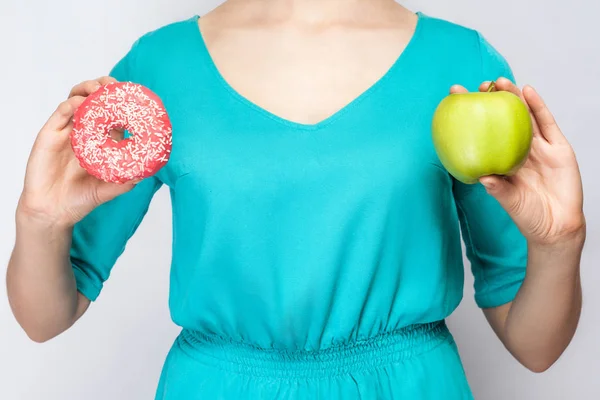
(316, 248)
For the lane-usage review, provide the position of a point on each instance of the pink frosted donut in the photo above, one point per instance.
(122, 105)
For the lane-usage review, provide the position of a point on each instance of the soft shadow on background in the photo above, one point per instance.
(117, 349)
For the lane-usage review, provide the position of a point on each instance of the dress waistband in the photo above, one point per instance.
(378, 351)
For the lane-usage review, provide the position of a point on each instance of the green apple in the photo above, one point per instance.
(482, 133)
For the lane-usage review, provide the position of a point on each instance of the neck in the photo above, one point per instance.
(317, 11)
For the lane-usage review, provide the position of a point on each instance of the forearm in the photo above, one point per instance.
(40, 282)
(542, 319)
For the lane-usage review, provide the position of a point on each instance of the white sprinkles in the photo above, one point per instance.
(122, 105)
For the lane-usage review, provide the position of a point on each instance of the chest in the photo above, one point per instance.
(231, 152)
(231, 143)
(304, 77)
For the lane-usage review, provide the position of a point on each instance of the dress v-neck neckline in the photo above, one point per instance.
(400, 60)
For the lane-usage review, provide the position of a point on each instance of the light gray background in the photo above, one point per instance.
(116, 351)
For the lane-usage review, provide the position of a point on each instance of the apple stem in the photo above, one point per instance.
(492, 86)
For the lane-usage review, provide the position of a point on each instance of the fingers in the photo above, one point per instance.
(507, 86)
(63, 115)
(501, 84)
(84, 88)
(457, 89)
(88, 87)
(107, 191)
(544, 124)
(542, 115)
(105, 80)
(503, 190)
(485, 86)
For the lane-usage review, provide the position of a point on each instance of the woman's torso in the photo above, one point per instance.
(304, 236)
(316, 247)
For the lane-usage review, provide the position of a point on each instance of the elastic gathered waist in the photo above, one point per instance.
(372, 353)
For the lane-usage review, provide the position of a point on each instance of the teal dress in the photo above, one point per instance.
(312, 261)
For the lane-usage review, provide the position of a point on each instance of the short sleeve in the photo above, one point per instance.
(493, 64)
(124, 70)
(100, 238)
(495, 247)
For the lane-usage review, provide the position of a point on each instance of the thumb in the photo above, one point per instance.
(108, 191)
(502, 190)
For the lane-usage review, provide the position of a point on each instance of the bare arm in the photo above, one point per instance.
(545, 200)
(539, 324)
(57, 193)
(40, 281)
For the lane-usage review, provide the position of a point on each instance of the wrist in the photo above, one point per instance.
(31, 219)
(560, 259)
(570, 242)
(570, 234)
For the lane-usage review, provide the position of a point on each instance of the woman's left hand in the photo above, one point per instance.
(545, 196)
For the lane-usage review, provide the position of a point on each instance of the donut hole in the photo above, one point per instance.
(117, 134)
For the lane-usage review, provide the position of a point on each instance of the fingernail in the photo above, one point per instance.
(488, 184)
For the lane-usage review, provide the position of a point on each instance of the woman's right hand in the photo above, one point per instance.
(57, 191)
